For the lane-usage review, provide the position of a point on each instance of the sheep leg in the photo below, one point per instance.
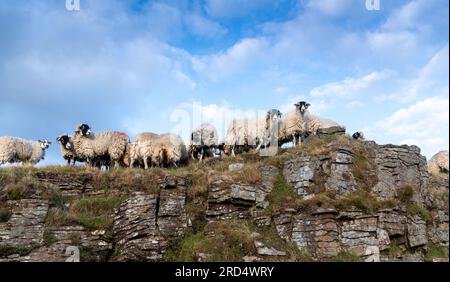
(258, 147)
(145, 163)
(131, 163)
(202, 151)
(232, 151)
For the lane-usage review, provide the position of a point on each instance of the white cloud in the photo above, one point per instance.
(354, 104)
(204, 27)
(245, 53)
(349, 86)
(406, 16)
(281, 90)
(425, 123)
(432, 79)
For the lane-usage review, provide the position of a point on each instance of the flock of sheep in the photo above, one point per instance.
(113, 148)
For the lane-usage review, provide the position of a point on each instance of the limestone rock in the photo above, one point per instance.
(329, 131)
(266, 251)
(135, 229)
(236, 167)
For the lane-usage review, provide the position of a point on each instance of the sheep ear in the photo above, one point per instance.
(307, 105)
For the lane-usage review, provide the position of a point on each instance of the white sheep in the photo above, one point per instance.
(110, 145)
(298, 124)
(169, 149)
(313, 123)
(14, 150)
(294, 125)
(203, 141)
(141, 152)
(246, 134)
(145, 136)
(438, 164)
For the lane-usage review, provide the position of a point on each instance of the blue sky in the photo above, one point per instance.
(140, 66)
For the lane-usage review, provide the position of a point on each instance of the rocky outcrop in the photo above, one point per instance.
(141, 225)
(300, 201)
(231, 200)
(398, 167)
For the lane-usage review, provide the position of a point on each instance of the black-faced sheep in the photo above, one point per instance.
(358, 135)
(294, 124)
(17, 150)
(68, 149)
(110, 145)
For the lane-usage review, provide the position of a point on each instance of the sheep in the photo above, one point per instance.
(272, 128)
(294, 124)
(141, 151)
(67, 149)
(246, 134)
(438, 164)
(169, 149)
(14, 150)
(110, 146)
(313, 123)
(68, 153)
(359, 135)
(299, 124)
(156, 150)
(203, 140)
(145, 136)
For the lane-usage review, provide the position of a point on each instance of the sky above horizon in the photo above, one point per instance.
(138, 66)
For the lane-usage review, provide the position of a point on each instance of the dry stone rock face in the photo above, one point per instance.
(135, 229)
(172, 217)
(300, 172)
(233, 200)
(318, 234)
(417, 232)
(400, 166)
(358, 233)
(68, 184)
(330, 131)
(145, 223)
(24, 230)
(438, 229)
(341, 177)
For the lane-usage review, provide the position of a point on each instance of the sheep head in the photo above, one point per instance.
(302, 106)
(83, 129)
(274, 114)
(44, 144)
(65, 141)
